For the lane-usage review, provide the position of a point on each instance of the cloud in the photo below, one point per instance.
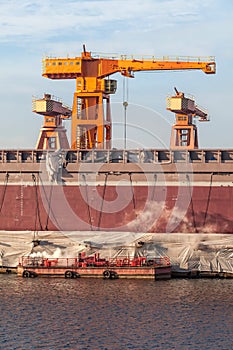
(46, 19)
(153, 27)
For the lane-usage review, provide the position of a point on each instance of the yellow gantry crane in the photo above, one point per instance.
(52, 133)
(184, 131)
(91, 117)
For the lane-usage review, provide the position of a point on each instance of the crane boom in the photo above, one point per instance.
(91, 125)
(71, 68)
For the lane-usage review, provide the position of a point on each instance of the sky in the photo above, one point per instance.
(31, 30)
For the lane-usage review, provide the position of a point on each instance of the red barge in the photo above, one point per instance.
(94, 266)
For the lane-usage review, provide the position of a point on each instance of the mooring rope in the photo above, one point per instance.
(4, 191)
(208, 199)
(87, 201)
(102, 202)
(37, 204)
(191, 202)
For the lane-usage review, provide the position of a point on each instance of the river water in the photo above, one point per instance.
(53, 313)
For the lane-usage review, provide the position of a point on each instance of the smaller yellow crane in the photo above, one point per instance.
(52, 133)
(184, 131)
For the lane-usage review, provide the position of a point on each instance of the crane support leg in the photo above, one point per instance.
(184, 137)
(91, 124)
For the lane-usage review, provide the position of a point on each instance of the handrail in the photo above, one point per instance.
(139, 57)
(170, 58)
(138, 156)
(53, 98)
(91, 261)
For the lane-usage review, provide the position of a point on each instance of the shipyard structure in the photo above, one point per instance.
(66, 198)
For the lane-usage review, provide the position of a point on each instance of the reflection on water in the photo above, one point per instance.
(119, 314)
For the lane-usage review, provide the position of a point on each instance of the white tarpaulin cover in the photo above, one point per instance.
(187, 252)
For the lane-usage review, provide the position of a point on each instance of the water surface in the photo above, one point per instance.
(54, 313)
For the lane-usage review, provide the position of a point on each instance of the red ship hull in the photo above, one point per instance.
(76, 208)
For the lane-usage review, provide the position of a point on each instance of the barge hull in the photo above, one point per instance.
(123, 272)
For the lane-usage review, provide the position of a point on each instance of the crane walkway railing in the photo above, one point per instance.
(139, 57)
(52, 98)
(169, 58)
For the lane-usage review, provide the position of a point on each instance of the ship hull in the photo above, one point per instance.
(111, 208)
